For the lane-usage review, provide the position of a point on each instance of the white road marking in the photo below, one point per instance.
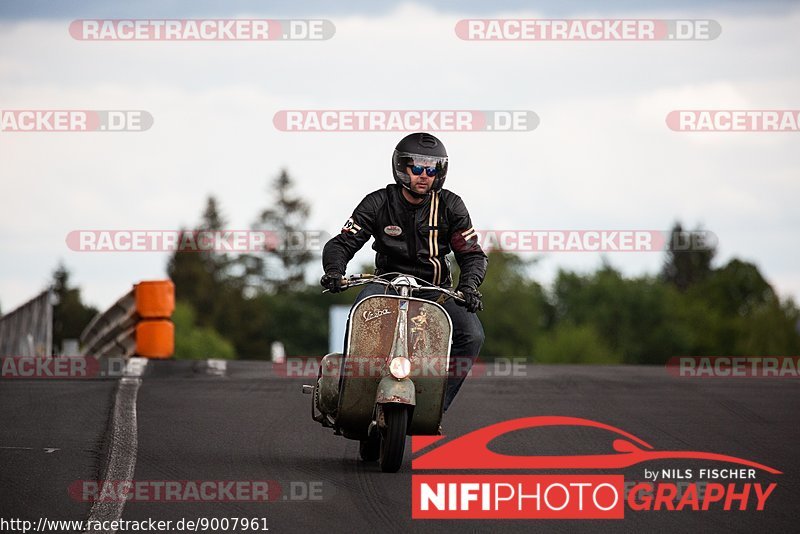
(123, 445)
(135, 367)
(217, 367)
(47, 450)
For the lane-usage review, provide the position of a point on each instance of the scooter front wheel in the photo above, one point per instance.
(394, 437)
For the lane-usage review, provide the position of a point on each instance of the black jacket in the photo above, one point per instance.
(411, 239)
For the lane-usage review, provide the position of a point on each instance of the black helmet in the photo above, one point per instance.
(419, 149)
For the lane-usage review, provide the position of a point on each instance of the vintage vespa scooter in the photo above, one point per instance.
(392, 378)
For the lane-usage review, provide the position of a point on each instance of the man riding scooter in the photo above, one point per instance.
(415, 224)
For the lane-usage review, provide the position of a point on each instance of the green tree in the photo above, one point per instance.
(754, 321)
(191, 272)
(769, 330)
(686, 262)
(569, 343)
(70, 314)
(736, 289)
(205, 278)
(282, 267)
(194, 342)
(732, 311)
(638, 318)
(516, 309)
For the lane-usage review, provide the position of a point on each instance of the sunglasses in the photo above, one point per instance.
(417, 170)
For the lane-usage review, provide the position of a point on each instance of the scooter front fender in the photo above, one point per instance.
(396, 391)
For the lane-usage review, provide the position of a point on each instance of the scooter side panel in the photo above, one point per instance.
(429, 339)
(328, 384)
(373, 323)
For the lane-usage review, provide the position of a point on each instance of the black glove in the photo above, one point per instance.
(472, 299)
(332, 281)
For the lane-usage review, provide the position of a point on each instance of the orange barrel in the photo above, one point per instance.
(155, 299)
(155, 338)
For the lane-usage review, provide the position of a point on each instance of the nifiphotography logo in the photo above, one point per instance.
(510, 492)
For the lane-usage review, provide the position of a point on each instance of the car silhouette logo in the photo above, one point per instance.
(471, 451)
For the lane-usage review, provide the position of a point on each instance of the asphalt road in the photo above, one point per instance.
(247, 422)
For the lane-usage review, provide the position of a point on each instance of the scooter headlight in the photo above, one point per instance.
(400, 367)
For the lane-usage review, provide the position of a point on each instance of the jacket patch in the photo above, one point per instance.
(350, 226)
(393, 231)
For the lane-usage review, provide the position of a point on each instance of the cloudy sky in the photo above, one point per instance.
(601, 158)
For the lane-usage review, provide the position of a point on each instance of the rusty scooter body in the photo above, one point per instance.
(392, 379)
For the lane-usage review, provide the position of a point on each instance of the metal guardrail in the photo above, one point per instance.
(138, 324)
(27, 331)
(112, 333)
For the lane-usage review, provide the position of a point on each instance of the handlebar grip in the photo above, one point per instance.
(345, 283)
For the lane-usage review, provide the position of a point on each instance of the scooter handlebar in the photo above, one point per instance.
(364, 278)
